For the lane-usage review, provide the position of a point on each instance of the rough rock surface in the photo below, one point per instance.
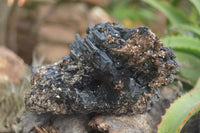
(82, 124)
(113, 70)
(121, 124)
(58, 123)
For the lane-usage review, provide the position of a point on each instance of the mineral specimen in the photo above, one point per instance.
(113, 70)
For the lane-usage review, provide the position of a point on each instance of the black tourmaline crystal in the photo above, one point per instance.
(113, 70)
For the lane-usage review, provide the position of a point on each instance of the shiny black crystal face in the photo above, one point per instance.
(113, 70)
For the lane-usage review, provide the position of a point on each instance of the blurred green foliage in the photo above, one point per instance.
(132, 10)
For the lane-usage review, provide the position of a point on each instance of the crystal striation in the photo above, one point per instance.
(113, 70)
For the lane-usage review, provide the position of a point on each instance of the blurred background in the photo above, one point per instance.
(35, 32)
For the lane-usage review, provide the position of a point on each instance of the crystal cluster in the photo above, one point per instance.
(113, 70)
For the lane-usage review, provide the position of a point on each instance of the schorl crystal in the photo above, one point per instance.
(113, 70)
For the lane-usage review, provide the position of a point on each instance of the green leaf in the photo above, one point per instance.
(181, 111)
(183, 43)
(173, 14)
(175, 2)
(196, 3)
(122, 12)
(189, 66)
(191, 28)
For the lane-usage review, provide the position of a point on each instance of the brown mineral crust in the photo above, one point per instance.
(143, 102)
(113, 70)
(139, 49)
